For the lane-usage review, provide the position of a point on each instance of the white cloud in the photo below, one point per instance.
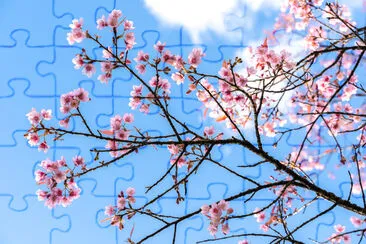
(200, 16)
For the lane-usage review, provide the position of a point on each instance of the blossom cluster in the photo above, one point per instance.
(157, 83)
(35, 118)
(236, 98)
(54, 174)
(217, 216)
(115, 212)
(114, 21)
(119, 131)
(338, 237)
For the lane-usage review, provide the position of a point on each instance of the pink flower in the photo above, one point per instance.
(89, 70)
(356, 221)
(339, 228)
(122, 134)
(116, 122)
(130, 191)
(159, 46)
(225, 229)
(77, 23)
(205, 209)
(181, 161)
(107, 54)
(66, 201)
(347, 239)
(128, 118)
(130, 39)
(142, 57)
(269, 129)
(173, 149)
(209, 131)
(106, 66)
(141, 68)
(46, 114)
(194, 58)
(178, 77)
(109, 210)
(116, 13)
(121, 203)
(43, 147)
(264, 227)
(104, 78)
(78, 61)
(212, 229)
(215, 210)
(81, 95)
(79, 161)
(260, 216)
(34, 117)
(62, 162)
(59, 176)
(74, 193)
(112, 21)
(144, 108)
(33, 139)
(42, 195)
(40, 176)
(223, 205)
(243, 242)
(76, 35)
(101, 23)
(128, 25)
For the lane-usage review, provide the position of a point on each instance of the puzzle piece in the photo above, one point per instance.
(86, 218)
(21, 61)
(19, 227)
(39, 23)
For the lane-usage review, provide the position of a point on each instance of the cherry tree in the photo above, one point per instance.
(242, 100)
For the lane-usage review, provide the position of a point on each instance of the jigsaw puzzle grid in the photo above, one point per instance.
(36, 69)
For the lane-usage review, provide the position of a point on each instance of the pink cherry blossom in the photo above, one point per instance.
(109, 210)
(194, 58)
(122, 134)
(107, 53)
(101, 23)
(33, 139)
(225, 229)
(106, 66)
(243, 242)
(130, 191)
(260, 216)
(178, 77)
(89, 70)
(209, 131)
(81, 95)
(128, 25)
(79, 161)
(141, 68)
(78, 61)
(339, 228)
(159, 46)
(76, 35)
(142, 57)
(116, 122)
(34, 117)
(43, 147)
(77, 23)
(104, 78)
(128, 118)
(356, 221)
